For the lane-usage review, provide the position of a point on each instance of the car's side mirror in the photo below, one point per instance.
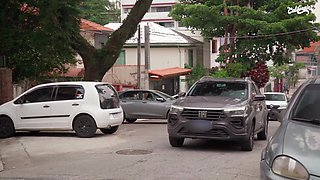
(259, 97)
(160, 99)
(274, 114)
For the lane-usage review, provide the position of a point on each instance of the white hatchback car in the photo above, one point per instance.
(276, 102)
(80, 106)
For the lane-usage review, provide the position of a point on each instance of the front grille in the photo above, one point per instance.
(194, 114)
(211, 133)
(273, 106)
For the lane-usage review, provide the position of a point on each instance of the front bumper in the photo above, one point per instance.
(222, 129)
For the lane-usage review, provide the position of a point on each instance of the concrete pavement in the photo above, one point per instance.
(293, 89)
(1, 164)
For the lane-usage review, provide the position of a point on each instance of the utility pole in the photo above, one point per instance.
(139, 59)
(147, 55)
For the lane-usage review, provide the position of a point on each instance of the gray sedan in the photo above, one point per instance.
(294, 151)
(145, 104)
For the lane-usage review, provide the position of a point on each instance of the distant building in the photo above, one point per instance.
(159, 13)
(169, 52)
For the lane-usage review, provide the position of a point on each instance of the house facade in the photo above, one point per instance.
(159, 13)
(169, 53)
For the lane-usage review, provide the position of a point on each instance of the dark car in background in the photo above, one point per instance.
(293, 151)
(220, 109)
(145, 104)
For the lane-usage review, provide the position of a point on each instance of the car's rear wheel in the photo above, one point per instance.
(109, 130)
(131, 120)
(84, 126)
(6, 127)
(248, 143)
(263, 135)
(176, 142)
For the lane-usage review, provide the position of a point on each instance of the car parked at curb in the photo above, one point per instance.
(220, 109)
(145, 104)
(80, 106)
(276, 103)
(293, 151)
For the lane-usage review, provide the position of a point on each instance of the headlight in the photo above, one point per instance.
(236, 112)
(176, 109)
(290, 168)
(282, 107)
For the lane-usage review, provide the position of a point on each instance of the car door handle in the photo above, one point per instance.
(75, 104)
(46, 106)
(144, 101)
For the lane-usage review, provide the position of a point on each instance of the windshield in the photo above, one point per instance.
(166, 96)
(275, 97)
(307, 107)
(226, 89)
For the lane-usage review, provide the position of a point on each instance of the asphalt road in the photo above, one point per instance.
(136, 151)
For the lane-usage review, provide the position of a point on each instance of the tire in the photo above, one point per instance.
(84, 126)
(6, 127)
(263, 135)
(176, 142)
(109, 131)
(131, 120)
(248, 143)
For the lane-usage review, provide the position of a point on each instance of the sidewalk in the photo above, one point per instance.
(293, 89)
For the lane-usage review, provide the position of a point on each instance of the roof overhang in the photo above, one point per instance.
(168, 72)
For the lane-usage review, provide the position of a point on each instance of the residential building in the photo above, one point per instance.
(169, 52)
(159, 13)
(310, 57)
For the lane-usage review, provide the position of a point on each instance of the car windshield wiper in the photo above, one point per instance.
(312, 121)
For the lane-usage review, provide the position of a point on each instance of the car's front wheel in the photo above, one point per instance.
(176, 142)
(248, 143)
(109, 130)
(6, 127)
(84, 126)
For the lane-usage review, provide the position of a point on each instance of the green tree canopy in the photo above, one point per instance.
(100, 11)
(35, 36)
(38, 37)
(253, 31)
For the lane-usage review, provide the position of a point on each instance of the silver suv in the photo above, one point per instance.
(221, 109)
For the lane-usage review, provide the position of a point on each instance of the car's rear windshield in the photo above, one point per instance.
(307, 107)
(108, 96)
(275, 97)
(226, 89)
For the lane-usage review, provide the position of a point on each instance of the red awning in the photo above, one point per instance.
(168, 72)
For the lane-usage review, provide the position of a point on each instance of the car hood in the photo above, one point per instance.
(209, 102)
(279, 103)
(302, 142)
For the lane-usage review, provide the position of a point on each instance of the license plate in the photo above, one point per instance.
(115, 116)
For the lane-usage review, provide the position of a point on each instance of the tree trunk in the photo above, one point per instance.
(98, 61)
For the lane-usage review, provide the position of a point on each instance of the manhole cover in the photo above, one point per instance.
(134, 152)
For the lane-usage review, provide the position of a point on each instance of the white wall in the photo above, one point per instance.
(160, 58)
